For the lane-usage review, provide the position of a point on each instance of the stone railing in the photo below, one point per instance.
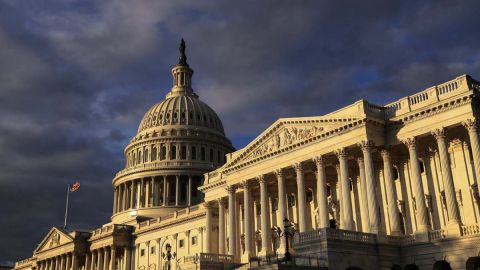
(430, 95)
(437, 235)
(163, 164)
(109, 229)
(170, 217)
(24, 262)
(470, 230)
(334, 234)
(208, 257)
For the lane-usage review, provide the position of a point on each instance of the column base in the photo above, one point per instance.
(453, 229)
(245, 258)
(264, 253)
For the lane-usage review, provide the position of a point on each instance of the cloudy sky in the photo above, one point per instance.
(77, 76)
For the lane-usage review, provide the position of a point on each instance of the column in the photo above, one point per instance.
(347, 222)
(391, 193)
(124, 197)
(373, 210)
(138, 192)
(92, 261)
(189, 191)
(106, 258)
(142, 194)
(363, 191)
(74, 261)
(265, 217)
(282, 206)
(301, 198)
(132, 194)
(208, 227)
(450, 194)
(221, 226)
(247, 198)
(62, 261)
(155, 191)
(127, 255)
(323, 220)
(147, 193)
(99, 259)
(115, 200)
(338, 194)
(422, 212)
(177, 190)
(165, 201)
(112, 257)
(88, 260)
(472, 126)
(231, 221)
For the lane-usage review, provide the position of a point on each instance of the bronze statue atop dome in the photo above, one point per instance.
(182, 61)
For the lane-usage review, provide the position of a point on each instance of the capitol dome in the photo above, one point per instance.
(179, 139)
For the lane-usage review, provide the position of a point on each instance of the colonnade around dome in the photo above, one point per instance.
(375, 187)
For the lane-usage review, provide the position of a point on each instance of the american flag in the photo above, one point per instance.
(75, 186)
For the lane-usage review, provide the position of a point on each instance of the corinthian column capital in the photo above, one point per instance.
(261, 179)
(360, 161)
(319, 161)
(366, 146)
(385, 152)
(341, 153)
(411, 142)
(298, 167)
(471, 125)
(231, 189)
(279, 173)
(439, 134)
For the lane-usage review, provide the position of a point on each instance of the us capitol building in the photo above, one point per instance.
(363, 187)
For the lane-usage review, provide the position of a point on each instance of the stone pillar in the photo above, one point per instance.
(347, 222)
(221, 226)
(138, 194)
(363, 191)
(189, 190)
(100, 259)
(265, 217)
(124, 197)
(94, 260)
(338, 195)
(132, 196)
(472, 127)
(393, 212)
(323, 220)
(113, 255)
(454, 219)
(247, 225)
(301, 200)
(142, 193)
(106, 259)
(422, 212)
(231, 221)
(155, 191)
(74, 261)
(282, 205)
(88, 261)
(373, 211)
(115, 200)
(177, 190)
(165, 193)
(147, 193)
(208, 227)
(127, 254)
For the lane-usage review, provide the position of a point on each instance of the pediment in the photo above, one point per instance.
(287, 132)
(55, 237)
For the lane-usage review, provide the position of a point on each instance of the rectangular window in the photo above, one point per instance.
(211, 155)
(142, 252)
(183, 154)
(218, 157)
(203, 153)
(194, 240)
(181, 243)
(173, 152)
(194, 153)
(152, 250)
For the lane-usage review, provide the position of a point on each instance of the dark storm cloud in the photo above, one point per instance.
(77, 76)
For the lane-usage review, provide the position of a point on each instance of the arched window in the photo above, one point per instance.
(218, 156)
(146, 155)
(134, 159)
(211, 155)
(183, 152)
(139, 157)
(173, 151)
(194, 153)
(202, 153)
(154, 154)
(163, 152)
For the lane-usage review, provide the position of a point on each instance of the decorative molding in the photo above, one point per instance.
(366, 145)
(439, 134)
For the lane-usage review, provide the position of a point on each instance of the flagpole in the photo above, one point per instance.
(66, 207)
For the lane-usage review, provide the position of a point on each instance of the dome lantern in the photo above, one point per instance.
(182, 76)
